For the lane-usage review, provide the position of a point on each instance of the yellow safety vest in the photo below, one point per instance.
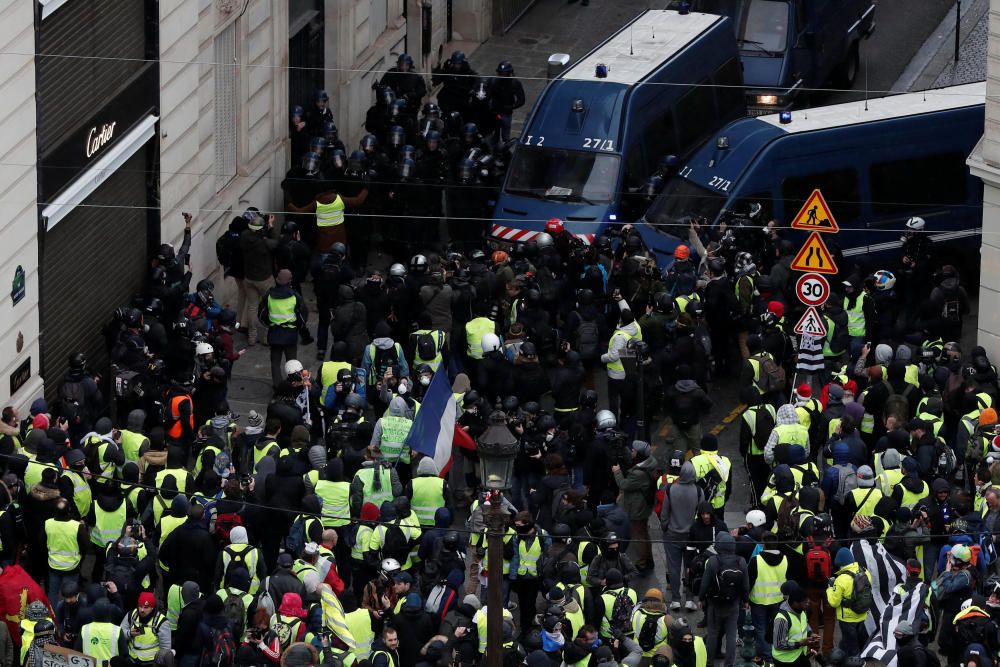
(475, 329)
(394, 432)
(330, 215)
(260, 452)
(703, 464)
(330, 369)
(281, 311)
(700, 653)
(81, 492)
(62, 543)
(480, 620)
(108, 525)
(174, 604)
(868, 506)
(910, 499)
(33, 473)
(428, 497)
(131, 442)
(798, 629)
(793, 434)
(508, 536)
(618, 365)
(367, 476)
(248, 556)
(302, 568)
(180, 480)
(336, 497)
(610, 597)
(144, 646)
(529, 556)
(361, 539)
(750, 417)
(100, 640)
(888, 480)
(640, 617)
(438, 338)
(767, 587)
(360, 624)
(856, 315)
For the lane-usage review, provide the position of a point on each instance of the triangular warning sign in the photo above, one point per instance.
(811, 323)
(815, 215)
(814, 257)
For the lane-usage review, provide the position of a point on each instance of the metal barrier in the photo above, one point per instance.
(508, 12)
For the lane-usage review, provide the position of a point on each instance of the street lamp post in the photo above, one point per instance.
(497, 448)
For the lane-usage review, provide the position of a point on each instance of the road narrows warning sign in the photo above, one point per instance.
(811, 323)
(814, 257)
(815, 215)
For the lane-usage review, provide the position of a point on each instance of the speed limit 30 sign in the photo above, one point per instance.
(812, 289)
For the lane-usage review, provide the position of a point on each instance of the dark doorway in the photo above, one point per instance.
(305, 51)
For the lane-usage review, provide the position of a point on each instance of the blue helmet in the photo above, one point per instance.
(321, 96)
(505, 68)
(407, 152)
(297, 111)
(310, 163)
(317, 145)
(457, 57)
(387, 96)
(338, 159)
(433, 135)
(397, 108)
(404, 59)
(369, 142)
(330, 132)
(470, 130)
(406, 167)
(397, 136)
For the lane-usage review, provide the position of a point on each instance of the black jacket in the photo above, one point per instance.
(685, 402)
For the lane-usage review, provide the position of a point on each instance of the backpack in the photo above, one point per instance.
(426, 349)
(772, 376)
(235, 610)
(684, 281)
(264, 600)
(952, 310)
(621, 614)
(224, 524)
(819, 566)
(647, 633)
(71, 393)
(394, 544)
(288, 633)
(861, 599)
(847, 482)
(295, 542)
(223, 650)
(944, 459)
(588, 340)
(557, 497)
(728, 581)
(434, 598)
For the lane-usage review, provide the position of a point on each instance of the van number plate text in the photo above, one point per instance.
(719, 183)
(599, 144)
(532, 140)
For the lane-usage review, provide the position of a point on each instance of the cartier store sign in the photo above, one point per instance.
(98, 138)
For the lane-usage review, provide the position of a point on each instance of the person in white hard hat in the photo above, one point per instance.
(917, 256)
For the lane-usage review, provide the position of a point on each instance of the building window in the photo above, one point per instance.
(378, 18)
(225, 106)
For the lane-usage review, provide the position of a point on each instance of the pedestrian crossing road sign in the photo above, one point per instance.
(815, 215)
(811, 323)
(814, 257)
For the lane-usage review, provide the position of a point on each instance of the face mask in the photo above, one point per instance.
(424, 380)
(549, 437)
(401, 390)
(595, 644)
(523, 530)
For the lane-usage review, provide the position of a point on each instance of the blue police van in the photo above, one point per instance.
(877, 163)
(658, 87)
(789, 47)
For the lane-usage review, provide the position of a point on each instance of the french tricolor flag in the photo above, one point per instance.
(434, 425)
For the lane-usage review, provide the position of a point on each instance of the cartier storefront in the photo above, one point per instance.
(98, 177)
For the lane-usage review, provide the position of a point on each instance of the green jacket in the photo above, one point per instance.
(635, 488)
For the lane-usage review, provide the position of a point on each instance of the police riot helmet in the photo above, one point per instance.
(297, 111)
(77, 361)
(588, 398)
(584, 296)
(432, 110)
(418, 264)
(330, 132)
(290, 228)
(397, 136)
(531, 407)
(397, 270)
(469, 131)
(321, 96)
(317, 145)
(205, 285)
(884, 280)
(165, 253)
(510, 404)
(338, 159)
(663, 302)
(450, 540)
(339, 248)
(387, 96)
(407, 152)
(397, 108)
(505, 68)
(154, 307)
(133, 318)
(471, 397)
(454, 122)
(433, 136)
(404, 59)
(310, 163)
(606, 420)
(544, 240)
(457, 57)
(357, 162)
(695, 309)
(490, 343)
(369, 143)
(477, 255)
(466, 170)
(158, 276)
(545, 422)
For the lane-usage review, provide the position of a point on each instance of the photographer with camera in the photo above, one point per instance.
(638, 486)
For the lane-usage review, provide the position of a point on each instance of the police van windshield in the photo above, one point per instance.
(563, 175)
(680, 199)
(764, 26)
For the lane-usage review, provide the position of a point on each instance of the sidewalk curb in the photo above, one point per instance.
(933, 56)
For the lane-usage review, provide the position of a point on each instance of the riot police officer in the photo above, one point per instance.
(409, 85)
(458, 79)
(506, 94)
(319, 114)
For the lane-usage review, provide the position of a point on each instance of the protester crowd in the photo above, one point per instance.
(144, 522)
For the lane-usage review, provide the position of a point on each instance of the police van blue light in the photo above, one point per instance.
(659, 86)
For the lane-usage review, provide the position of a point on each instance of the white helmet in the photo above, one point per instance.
(756, 518)
(490, 343)
(293, 366)
(915, 224)
(606, 419)
(397, 270)
(544, 240)
(884, 280)
(390, 566)
(203, 348)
